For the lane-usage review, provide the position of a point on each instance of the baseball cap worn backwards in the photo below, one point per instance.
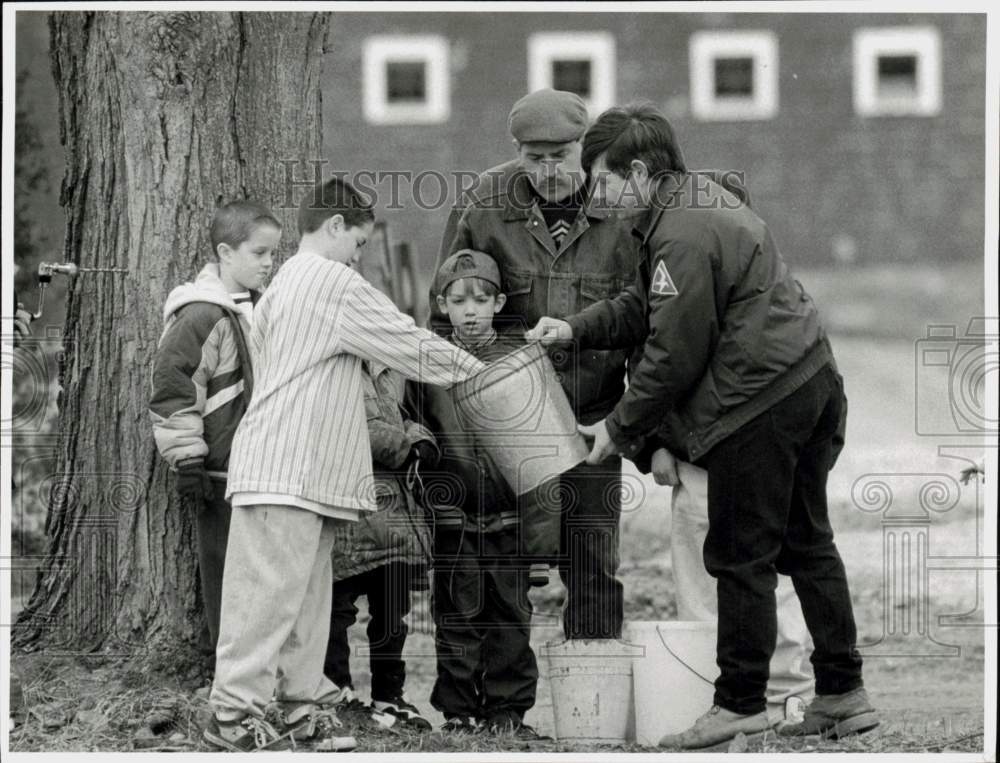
(548, 116)
(466, 263)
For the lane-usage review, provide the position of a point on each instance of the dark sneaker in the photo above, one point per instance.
(833, 716)
(318, 725)
(716, 729)
(460, 724)
(356, 714)
(247, 734)
(407, 715)
(506, 725)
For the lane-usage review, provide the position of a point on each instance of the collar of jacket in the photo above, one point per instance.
(663, 197)
(521, 199)
(474, 348)
(375, 368)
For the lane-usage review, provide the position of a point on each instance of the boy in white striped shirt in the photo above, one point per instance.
(300, 466)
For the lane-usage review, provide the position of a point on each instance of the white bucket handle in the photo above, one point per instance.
(677, 657)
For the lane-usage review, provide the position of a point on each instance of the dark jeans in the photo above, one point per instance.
(485, 665)
(588, 552)
(387, 589)
(767, 514)
(212, 529)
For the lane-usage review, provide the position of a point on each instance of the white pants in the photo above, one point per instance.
(791, 674)
(275, 617)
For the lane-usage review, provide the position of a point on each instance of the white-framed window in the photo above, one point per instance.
(897, 71)
(580, 62)
(734, 75)
(405, 79)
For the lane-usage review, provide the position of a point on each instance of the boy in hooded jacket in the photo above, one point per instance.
(202, 379)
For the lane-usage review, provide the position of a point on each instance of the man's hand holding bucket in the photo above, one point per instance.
(550, 331)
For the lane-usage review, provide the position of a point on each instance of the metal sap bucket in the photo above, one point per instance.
(591, 682)
(516, 410)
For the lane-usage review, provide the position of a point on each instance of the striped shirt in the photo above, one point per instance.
(304, 435)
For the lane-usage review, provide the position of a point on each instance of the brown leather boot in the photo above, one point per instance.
(833, 716)
(716, 729)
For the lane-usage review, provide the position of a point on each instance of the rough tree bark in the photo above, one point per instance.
(163, 115)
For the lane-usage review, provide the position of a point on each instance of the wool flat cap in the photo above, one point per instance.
(466, 263)
(548, 116)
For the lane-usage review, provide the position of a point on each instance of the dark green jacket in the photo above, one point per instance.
(597, 260)
(397, 531)
(727, 331)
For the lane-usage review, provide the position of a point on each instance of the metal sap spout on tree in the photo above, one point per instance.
(48, 269)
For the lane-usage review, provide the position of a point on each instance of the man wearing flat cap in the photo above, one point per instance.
(558, 255)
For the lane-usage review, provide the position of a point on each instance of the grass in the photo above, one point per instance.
(73, 707)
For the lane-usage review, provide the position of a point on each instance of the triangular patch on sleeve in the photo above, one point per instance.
(663, 285)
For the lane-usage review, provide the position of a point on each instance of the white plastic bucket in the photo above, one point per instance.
(674, 675)
(517, 411)
(591, 681)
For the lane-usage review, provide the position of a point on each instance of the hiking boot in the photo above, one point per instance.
(246, 734)
(460, 724)
(406, 714)
(833, 716)
(717, 728)
(318, 725)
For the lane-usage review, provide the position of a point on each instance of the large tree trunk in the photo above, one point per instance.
(162, 115)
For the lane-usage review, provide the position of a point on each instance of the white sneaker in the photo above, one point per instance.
(795, 708)
(404, 712)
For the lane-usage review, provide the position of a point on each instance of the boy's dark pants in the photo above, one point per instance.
(212, 527)
(768, 514)
(588, 552)
(485, 665)
(387, 589)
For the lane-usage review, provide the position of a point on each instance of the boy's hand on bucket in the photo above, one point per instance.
(603, 447)
(664, 468)
(550, 331)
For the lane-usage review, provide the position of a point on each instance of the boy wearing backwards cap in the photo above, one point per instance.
(486, 668)
(300, 465)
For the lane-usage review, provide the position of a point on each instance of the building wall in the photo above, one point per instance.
(882, 189)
